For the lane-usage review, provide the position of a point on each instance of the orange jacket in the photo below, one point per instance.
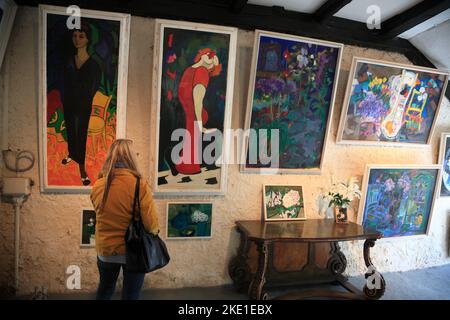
(113, 220)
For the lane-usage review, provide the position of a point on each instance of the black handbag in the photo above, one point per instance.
(145, 252)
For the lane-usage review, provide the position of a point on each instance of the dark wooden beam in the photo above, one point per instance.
(253, 17)
(237, 5)
(412, 17)
(329, 8)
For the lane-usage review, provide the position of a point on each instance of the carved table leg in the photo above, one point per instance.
(238, 268)
(256, 286)
(337, 263)
(375, 284)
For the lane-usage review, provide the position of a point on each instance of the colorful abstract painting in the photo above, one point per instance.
(444, 159)
(291, 90)
(283, 202)
(195, 69)
(189, 220)
(88, 228)
(84, 92)
(390, 103)
(398, 201)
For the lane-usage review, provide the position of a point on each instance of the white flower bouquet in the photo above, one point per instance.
(341, 194)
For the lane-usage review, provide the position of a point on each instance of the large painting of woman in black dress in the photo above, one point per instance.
(81, 105)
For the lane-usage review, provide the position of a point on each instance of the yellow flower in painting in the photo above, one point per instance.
(419, 220)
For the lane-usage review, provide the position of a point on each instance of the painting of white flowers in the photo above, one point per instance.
(189, 220)
(283, 202)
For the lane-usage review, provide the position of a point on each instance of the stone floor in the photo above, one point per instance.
(424, 284)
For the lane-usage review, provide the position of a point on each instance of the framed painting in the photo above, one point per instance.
(290, 101)
(398, 200)
(189, 220)
(8, 10)
(390, 104)
(193, 91)
(444, 160)
(88, 221)
(83, 94)
(283, 202)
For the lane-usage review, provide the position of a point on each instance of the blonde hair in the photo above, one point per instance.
(120, 152)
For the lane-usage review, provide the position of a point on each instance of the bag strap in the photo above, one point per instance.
(136, 201)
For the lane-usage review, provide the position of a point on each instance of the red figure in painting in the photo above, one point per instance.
(191, 92)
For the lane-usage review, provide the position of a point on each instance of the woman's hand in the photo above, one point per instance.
(208, 131)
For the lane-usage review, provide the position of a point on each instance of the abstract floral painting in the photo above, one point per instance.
(189, 220)
(390, 103)
(88, 228)
(195, 68)
(83, 88)
(444, 160)
(283, 202)
(292, 88)
(398, 201)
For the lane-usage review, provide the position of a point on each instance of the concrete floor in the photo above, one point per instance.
(424, 284)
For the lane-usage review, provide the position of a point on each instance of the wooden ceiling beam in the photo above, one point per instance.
(254, 17)
(412, 17)
(237, 5)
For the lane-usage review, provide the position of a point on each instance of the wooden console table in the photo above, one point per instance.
(273, 254)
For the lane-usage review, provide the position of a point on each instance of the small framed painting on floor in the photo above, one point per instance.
(444, 160)
(398, 200)
(283, 202)
(189, 220)
(88, 221)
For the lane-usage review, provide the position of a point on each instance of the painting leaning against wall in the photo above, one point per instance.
(292, 88)
(283, 202)
(398, 201)
(390, 103)
(83, 87)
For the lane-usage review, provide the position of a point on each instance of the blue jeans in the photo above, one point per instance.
(109, 272)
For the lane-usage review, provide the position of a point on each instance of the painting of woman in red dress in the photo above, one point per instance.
(195, 73)
(191, 93)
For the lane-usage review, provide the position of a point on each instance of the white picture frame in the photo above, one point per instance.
(444, 150)
(121, 92)
(348, 92)
(9, 8)
(362, 202)
(266, 219)
(160, 25)
(255, 54)
(168, 237)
